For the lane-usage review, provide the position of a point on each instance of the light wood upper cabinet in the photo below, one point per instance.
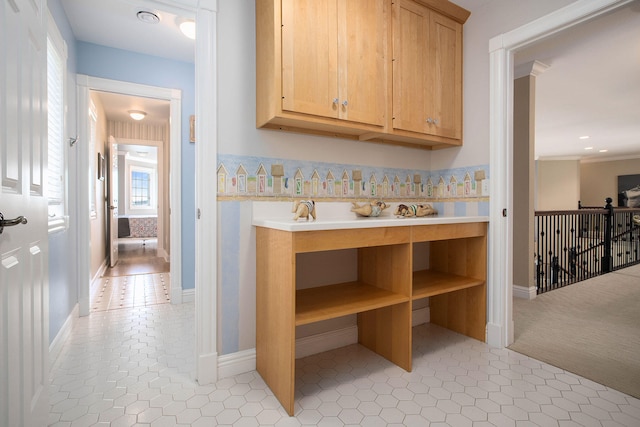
(324, 64)
(333, 59)
(427, 72)
(310, 57)
(326, 67)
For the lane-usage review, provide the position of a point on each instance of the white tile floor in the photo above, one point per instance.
(135, 367)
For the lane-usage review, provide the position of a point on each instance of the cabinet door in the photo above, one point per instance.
(410, 66)
(362, 55)
(309, 57)
(445, 77)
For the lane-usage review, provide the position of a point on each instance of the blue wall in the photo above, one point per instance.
(63, 287)
(116, 64)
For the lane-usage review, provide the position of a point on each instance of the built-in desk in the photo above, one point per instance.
(383, 294)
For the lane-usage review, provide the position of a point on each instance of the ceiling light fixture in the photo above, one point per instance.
(603, 151)
(148, 17)
(588, 148)
(188, 28)
(137, 114)
(584, 137)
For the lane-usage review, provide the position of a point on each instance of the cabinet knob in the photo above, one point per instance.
(345, 103)
(335, 100)
(429, 120)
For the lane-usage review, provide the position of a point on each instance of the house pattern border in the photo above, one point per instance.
(251, 178)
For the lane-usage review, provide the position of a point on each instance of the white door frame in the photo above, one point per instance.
(161, 251)
(206, 275)
(500, 327)
(85, 85)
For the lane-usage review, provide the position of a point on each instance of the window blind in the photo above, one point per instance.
(55, 96)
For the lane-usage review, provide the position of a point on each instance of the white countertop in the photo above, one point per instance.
(338, 216)
(288, 224)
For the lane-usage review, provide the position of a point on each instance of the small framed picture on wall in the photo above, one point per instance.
(192, 128)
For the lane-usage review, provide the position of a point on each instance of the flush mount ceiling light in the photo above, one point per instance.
(584, 137)
(188, 28)
(137, 114)
(148, 17)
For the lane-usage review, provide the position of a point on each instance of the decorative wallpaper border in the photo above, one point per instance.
(259, 178)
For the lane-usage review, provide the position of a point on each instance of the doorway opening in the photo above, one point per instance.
(138, 265)
(147, 151)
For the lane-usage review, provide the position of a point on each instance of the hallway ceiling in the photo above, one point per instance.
(592, 85)
(117, 105)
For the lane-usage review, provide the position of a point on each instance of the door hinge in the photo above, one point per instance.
(504, 212)
(198, 213)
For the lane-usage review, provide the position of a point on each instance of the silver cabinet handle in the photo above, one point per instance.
(345, 103)
(11, 222)
(335, 100)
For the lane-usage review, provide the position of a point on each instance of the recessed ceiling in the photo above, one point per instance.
(591, 88)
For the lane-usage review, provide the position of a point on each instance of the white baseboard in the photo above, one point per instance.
(326, 341)
(207, 370)
(162, 253)
(245, 361)
(420, 316)
(188, 295)
(494, 335)
(103, 267)
(528, 293)
(58, 342)
(237, 363)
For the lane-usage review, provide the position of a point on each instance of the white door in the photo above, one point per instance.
(24, 301)
(112, 177)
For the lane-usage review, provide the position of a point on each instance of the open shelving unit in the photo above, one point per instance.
(382, 296)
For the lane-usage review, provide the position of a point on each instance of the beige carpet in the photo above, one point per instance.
(591, 328)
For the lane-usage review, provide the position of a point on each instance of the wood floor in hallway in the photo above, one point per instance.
(139, 279)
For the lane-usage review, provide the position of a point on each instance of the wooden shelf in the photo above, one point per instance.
(381, 296)
(328, 302)
(428, 283)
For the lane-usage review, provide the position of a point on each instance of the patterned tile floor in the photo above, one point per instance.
(135, 367)
(110, 293)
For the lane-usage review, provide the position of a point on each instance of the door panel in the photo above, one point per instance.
(24, 303)
(446, 90)
(410, 68)
(309, 57)
(362, 50)
(112, 212)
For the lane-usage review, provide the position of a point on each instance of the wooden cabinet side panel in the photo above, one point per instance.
(362, 58)
(275, 313)
(387, 331)
(268, 54)
(309, 57)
